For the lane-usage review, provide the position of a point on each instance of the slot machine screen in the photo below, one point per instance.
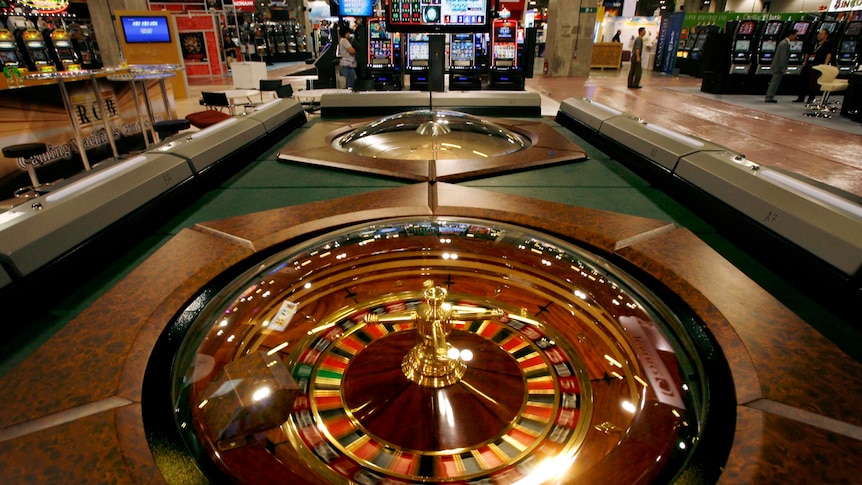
(796, 46)
(504, 54)
(701, 40)
(377, 31)
(801, 28)
(853, 29)
(65, 53)
(746, 28)
(440, 16)
(462, 51)
(768, 46)
(773, 28)
(829, 26)
(9, 57)
(848, 47)
(742, 46)
(37, 51)
(418, 52)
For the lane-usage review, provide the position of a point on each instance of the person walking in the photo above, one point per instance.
(348, 56)
(818, 53)
(616, 37)
(779, 65)
(636, 69)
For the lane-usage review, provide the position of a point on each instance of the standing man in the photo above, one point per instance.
(779, 65)
(818, 53)
(637, 57)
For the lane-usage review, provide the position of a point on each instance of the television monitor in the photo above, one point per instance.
(439, 16)
(768, 46)
(853, 29)
(801, 27)
(742, 46)
(796, 46)
(356, 8)
(746, 27)
(848, 46)
(145, 30)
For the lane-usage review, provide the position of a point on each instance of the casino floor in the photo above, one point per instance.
(73, 378)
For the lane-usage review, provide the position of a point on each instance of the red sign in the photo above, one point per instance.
(244, 5)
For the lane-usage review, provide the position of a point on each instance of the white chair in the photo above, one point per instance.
(828, 84)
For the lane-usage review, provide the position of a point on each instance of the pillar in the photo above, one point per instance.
(101, 12)
(569, 40)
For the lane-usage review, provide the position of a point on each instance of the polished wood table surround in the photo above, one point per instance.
(72, 409)
(548, 147)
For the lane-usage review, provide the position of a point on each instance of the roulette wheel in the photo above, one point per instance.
(440, 350)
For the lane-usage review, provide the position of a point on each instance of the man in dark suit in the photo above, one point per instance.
(779, 65)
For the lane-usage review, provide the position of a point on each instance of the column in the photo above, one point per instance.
(569, 41)
(101, 12)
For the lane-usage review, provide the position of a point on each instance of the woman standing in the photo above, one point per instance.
(348, 56)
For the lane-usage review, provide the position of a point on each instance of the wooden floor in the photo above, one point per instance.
(825, 155)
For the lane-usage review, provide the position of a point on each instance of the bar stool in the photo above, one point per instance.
(167, 128)
(25, 151)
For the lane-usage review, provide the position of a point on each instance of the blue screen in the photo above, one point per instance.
(139, 30)
(357, 8)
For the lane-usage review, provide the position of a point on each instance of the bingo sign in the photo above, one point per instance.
(845, 5)
(357, 8)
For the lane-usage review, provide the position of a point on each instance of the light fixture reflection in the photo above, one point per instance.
(547, 470)
(261, 393)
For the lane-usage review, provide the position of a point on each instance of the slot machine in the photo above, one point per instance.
(803, 34)
(384, 63)
(418, 61)
(742, 50)
(772, 34)
(9, 54)
(463, 71)
(504, 72)
(59, 44)
(35, 51)
(847, 50)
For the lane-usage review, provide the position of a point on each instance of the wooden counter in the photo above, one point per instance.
(607, 55)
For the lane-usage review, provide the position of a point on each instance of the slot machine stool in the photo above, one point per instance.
(168, 128)
(828, 84)
(25, 151)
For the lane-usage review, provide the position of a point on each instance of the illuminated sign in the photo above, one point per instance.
(46, 6)
(845, 5)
